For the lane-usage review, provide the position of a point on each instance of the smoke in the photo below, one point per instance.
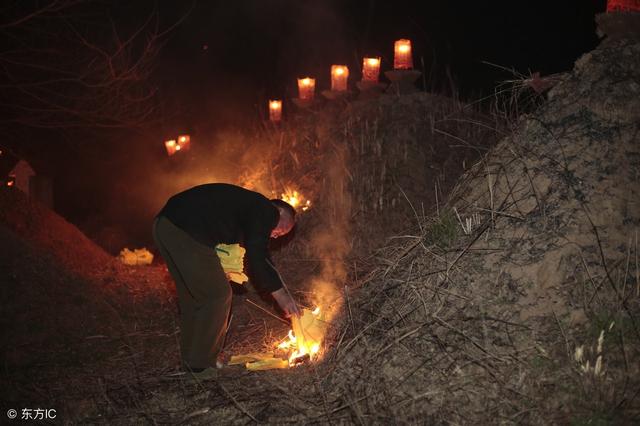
(330, 242)
(143, 181)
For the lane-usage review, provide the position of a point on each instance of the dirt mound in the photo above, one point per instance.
(52, 234)
(516, 302)
(67, 337)
(519, 303)
(383, 162)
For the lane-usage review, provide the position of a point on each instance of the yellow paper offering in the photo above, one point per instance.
(232, 261)
(252, 357)
(136, 257)
(267, 364)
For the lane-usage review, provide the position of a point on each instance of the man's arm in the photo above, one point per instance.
(261, 271)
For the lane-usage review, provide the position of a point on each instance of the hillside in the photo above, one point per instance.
(477, 273)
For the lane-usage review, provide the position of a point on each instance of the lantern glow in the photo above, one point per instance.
(171, 146)
(184, 142)
(275, 110)
(623, 6)
(402, 58)
(371, 69)
(339, 76)
(306, 88)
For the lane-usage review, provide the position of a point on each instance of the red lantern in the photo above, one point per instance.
(184, 142)
(171, 146)
(623, 5)
(306, 88)
(371, 69)
(339, 76)
(275, 110)
(402, 58)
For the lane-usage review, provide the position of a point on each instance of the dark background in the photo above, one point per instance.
(243, 52)
(221, 61)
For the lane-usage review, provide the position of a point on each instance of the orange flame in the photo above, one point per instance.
(300, 342)
(296, 200)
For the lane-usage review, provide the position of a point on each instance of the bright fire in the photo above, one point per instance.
(296, 200)
(304, 340)
(373, 61)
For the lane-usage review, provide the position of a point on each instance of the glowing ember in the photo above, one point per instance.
(303, 342)
(296, 200)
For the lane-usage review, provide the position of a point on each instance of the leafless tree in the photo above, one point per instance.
(75, 64)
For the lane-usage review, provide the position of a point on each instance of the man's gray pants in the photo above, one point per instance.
(204, 293)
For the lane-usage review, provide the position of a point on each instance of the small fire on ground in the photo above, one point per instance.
(304, 340)
(301, 345)
(296, 199)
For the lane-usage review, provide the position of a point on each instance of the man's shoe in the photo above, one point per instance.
(210, 373)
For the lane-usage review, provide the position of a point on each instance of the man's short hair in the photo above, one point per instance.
(286, 206)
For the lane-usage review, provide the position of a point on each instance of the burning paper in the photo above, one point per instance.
(301, 345)
(303, 342)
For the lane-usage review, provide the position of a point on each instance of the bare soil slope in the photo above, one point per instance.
(515, 302)
(521, 305)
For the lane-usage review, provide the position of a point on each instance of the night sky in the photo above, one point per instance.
(227, 58)
(222, 60)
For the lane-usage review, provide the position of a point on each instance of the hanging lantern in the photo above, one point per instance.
(275, 110)
(306, 88)
(339, 76)
(623, 5)
(371, 69)
(402, 58)
(184, 142)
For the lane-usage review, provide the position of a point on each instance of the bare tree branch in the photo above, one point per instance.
(69, 64)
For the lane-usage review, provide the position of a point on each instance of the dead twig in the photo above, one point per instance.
(236, 403)
(265, 311)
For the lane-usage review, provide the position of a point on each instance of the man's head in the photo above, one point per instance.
(287, 218)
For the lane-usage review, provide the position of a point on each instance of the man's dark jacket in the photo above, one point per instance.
(221, 213)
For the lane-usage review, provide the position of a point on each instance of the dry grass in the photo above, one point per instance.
(443, 320)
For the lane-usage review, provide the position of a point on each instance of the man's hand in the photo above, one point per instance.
(285, 301)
